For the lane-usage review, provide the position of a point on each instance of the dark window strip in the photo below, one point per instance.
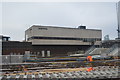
(63, 38)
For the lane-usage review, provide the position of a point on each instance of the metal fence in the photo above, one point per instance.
(12, 59)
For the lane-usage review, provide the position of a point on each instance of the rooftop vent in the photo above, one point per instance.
(81, 27)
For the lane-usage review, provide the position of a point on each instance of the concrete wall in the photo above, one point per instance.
(61, 42)
(65, 32)
(12, 58)
(48, 31)
(16, 48)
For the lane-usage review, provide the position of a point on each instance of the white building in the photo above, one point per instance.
(49, 35)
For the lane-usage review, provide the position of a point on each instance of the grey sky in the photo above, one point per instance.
(17, 17)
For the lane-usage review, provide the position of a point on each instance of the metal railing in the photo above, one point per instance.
(89, 50)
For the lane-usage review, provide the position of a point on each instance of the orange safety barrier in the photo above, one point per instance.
(89, 58)
(90, 69)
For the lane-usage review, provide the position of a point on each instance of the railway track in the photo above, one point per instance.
(101, 72)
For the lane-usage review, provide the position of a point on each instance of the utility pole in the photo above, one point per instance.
(118, 18)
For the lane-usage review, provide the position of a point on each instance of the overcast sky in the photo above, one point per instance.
(17, 17)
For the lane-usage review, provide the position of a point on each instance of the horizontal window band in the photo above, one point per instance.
(64, 38)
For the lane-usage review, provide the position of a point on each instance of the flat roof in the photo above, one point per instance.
(17, 41)
(64, 27)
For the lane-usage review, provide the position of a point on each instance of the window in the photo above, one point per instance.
(42, 28)
(65, 38)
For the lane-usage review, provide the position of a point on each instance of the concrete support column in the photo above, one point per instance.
(48, 53)
(43, 53)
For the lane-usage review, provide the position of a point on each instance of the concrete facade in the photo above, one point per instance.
(49, 41)
(49, 35)
(16, 48)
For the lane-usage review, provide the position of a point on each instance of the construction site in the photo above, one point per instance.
(61, 53)
(96, 63)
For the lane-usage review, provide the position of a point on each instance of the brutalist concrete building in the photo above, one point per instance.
(50, 41)
(58, 41)
(49, 35)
